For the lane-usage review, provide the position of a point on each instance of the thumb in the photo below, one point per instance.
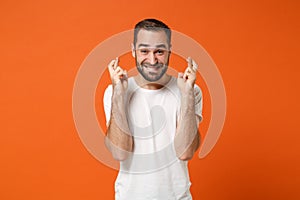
(125, 76)
(180, 75)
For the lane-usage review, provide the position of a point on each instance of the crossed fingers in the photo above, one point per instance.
(191, 69)
(115, 71)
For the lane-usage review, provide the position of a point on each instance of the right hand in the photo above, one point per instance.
(118, 75)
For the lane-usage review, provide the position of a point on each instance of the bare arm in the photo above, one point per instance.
(118, 139)
(187, 138)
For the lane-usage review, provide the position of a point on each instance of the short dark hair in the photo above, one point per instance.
(152, 25)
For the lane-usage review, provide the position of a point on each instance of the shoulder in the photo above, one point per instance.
(108, 90)
(107, 94)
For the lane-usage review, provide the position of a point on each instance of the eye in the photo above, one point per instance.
(144, 51)
(160, 52)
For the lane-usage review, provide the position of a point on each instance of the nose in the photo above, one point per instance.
(152, 58)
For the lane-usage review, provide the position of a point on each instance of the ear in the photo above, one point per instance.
(132, 50)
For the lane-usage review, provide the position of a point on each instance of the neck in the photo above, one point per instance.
(139, 79)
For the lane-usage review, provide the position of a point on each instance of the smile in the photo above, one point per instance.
(156, 66)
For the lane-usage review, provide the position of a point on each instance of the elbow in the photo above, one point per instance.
(120, 156)
(189, 152)
(116, 152)
(186, 156)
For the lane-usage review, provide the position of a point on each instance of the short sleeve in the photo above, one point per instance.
(198, 102)
(107, 103)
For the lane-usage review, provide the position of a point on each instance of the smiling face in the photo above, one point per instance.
(151, 53)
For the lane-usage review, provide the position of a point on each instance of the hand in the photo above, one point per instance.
(187, 79)
(118, 76)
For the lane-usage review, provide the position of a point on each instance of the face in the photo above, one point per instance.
(151, 53)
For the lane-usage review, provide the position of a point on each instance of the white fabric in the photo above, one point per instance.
(153, 171)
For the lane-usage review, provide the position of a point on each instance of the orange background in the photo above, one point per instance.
(254, 44)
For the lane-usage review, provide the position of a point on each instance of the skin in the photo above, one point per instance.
(152, 53)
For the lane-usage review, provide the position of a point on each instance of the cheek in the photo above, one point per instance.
(163, 59)
(141, 59)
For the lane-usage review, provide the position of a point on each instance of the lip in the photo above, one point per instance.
(152, 68)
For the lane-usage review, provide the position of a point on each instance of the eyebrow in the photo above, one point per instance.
(157, 46)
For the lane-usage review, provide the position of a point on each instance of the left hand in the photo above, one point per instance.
(186, 80)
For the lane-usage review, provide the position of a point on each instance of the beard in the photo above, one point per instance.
(152, 76)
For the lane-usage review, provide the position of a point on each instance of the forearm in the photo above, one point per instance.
(187, 138)
(119, 140)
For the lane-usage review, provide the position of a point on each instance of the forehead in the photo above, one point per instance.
(151, 38)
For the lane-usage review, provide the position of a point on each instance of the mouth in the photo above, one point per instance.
(152, 72)
(152, 67)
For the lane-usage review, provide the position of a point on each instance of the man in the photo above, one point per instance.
(152, 119)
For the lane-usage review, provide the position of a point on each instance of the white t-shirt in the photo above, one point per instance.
(153, 171)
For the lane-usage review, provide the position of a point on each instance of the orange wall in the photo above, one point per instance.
(254, 43)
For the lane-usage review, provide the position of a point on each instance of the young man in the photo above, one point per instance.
(152, 119)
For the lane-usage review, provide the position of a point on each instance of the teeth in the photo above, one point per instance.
(153, 66)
